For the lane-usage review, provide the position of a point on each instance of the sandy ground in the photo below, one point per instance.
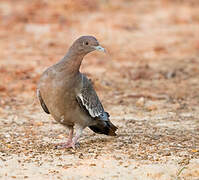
(148, 82)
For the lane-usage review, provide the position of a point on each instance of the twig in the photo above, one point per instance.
(180, 171)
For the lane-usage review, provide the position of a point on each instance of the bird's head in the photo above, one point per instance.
(86, 44)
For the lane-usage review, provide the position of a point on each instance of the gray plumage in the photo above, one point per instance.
(69, 96)
(89, 99)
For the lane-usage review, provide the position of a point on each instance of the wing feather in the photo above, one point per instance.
(87, 98)
(43, 105)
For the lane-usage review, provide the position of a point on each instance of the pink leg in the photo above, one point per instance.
(70, 137)
(72, 141)
(69, 142)
(77, 136)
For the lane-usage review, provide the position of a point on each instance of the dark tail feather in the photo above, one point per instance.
(104, 127)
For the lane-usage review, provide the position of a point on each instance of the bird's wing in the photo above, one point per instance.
(89, 101)
(42, 102)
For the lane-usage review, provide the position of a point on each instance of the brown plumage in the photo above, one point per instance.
(68, 95)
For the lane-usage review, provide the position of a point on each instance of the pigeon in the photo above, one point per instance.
(69, 97)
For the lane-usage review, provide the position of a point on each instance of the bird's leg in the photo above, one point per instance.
(72, 141)
(70, 137)
(77, 136)
(68, 144)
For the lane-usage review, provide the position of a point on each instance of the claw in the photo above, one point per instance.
(75, 146)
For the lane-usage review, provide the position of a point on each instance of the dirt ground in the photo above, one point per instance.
(148, 82)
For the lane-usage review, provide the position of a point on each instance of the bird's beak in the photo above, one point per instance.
(99, 48)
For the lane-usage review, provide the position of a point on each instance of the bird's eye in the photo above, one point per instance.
(86, 43)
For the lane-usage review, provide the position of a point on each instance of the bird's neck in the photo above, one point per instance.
(72, 62)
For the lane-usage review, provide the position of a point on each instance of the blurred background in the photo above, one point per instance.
(148, 80)
(145, 40)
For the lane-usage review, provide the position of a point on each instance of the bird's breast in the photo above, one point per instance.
(59, 95)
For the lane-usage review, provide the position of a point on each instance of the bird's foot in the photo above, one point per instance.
(73, 145)
(68, 145)
(76, 145)
(63, 145)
